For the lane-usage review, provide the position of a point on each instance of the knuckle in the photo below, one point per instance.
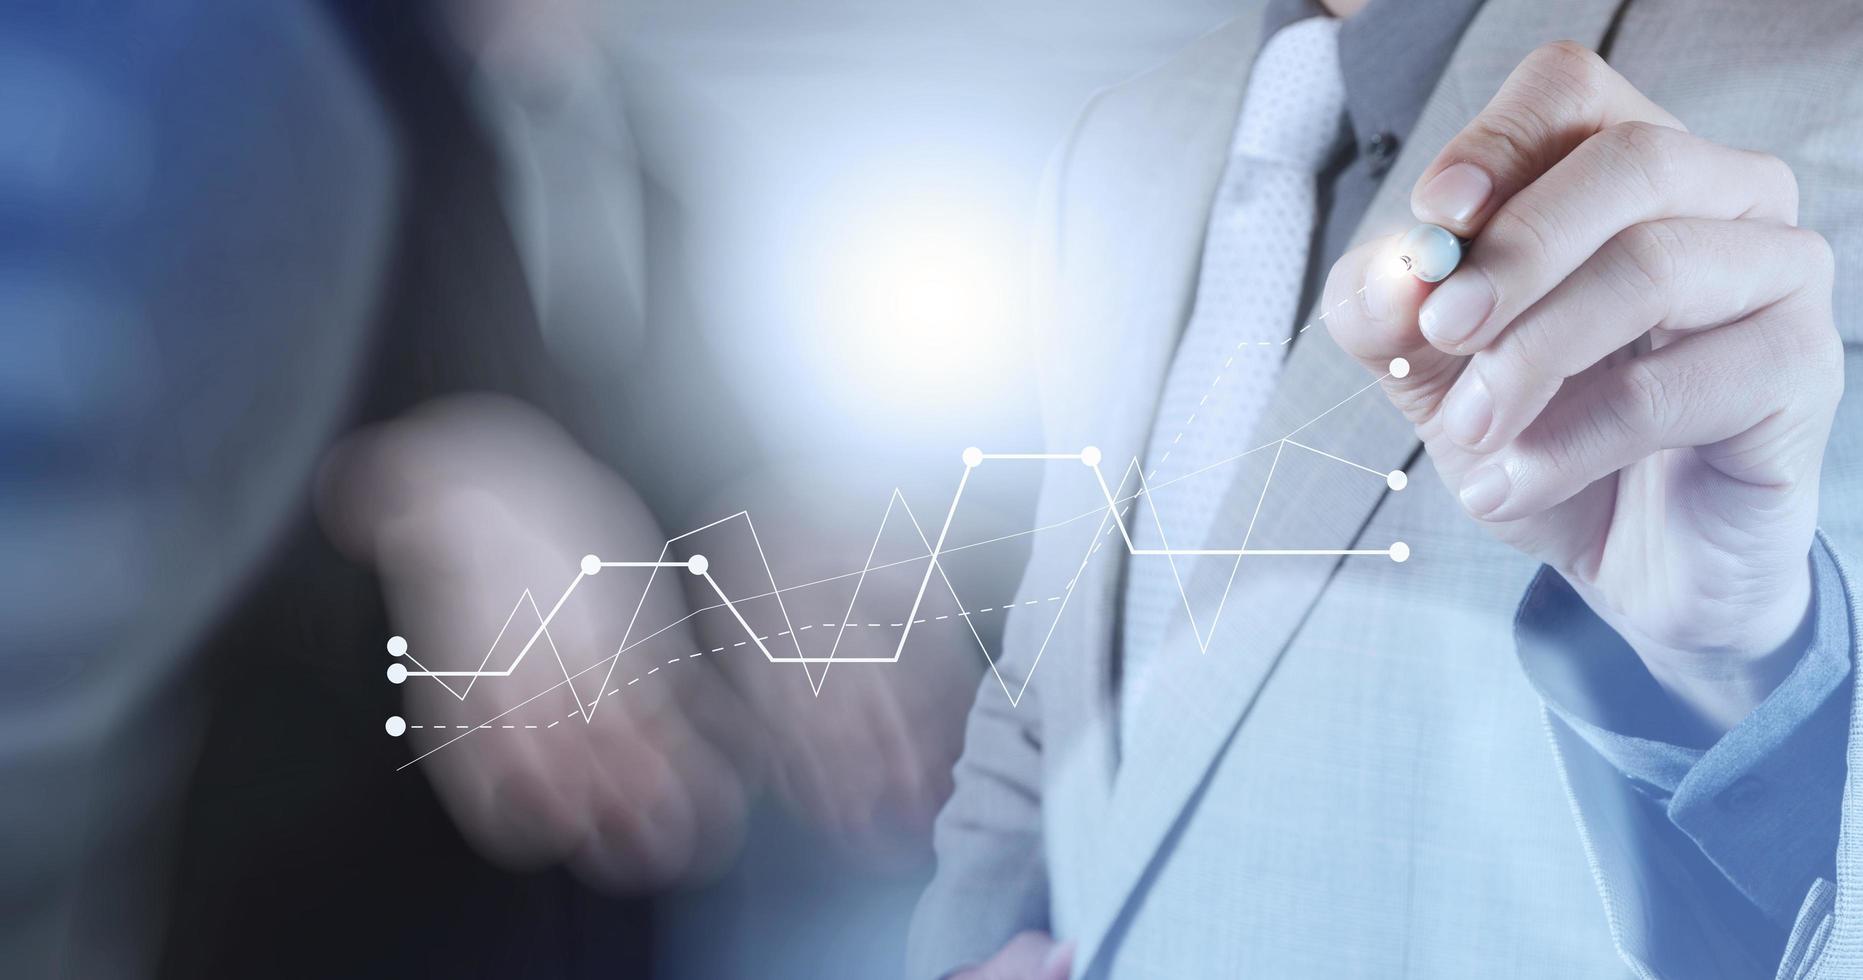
(1820, 356)
(1811, 340)
(1569, 63)
(1566, 448)
(1819, 258)
(1518, 133)
(1786, 180)
(1827, 377)
(1530, 120)
(1528, 225)
(1645, 152)
(1644, 260)
(1641, 401)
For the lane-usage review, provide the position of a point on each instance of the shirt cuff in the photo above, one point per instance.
(1763, 803)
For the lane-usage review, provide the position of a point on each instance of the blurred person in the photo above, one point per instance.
(465, 504)
(1608, 441)
(295, 812)
(196, 201)
(236, 236)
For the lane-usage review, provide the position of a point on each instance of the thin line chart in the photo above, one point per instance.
(784, 646)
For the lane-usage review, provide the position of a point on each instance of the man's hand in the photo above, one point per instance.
(462, 506)
(1633, 373)
(1026, 956)
(867, 758)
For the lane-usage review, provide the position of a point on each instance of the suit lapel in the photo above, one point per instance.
(1127, 274)
(1194, 703)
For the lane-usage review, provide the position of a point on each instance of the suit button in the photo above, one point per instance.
(1381, 152)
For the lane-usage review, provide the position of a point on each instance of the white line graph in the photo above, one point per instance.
(1111, 514)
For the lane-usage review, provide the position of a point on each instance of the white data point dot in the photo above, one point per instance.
(396, 726)
(1400, 368)
(1397, 480)
(591, 564)
(1090, 455)
(973, 456)
(397, 673)
(397, 646)
(1400, 552)
(697, 564)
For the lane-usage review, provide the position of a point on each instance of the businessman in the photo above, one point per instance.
(1595, 720)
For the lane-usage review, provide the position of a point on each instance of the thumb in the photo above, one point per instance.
(1371, 307)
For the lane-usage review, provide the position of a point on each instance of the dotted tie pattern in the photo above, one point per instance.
(1230, 355)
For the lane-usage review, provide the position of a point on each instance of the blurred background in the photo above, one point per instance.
(328, 322)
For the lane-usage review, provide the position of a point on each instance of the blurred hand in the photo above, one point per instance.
(461, 506)
(1028, 956)
(1633, 373)
(868, 759)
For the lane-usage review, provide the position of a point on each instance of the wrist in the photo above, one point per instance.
(1719, 681)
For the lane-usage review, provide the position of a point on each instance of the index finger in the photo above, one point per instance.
(1559, 96)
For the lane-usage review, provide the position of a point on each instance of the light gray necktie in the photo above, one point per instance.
(1254, 261)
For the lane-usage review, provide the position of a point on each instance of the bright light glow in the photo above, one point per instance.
(921, 300)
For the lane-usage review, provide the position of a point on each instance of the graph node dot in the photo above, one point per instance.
(697, 564)
(973, 456)
(1400, 368)
(397, 673)
(396, 726)
(397, 646)
(1090, 455)
(591, 564)
(1397, 480)
(1400, 552)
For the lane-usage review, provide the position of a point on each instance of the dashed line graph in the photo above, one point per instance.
(1111, 514)
(784, 646)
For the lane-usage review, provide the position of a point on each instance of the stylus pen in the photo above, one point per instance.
(1430, 252)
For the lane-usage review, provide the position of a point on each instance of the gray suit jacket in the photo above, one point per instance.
(1356, 779)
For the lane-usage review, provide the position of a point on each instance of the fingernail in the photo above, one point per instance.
(1457, 308)
(1485, 490)
(1468, 409)
(1453, 197)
